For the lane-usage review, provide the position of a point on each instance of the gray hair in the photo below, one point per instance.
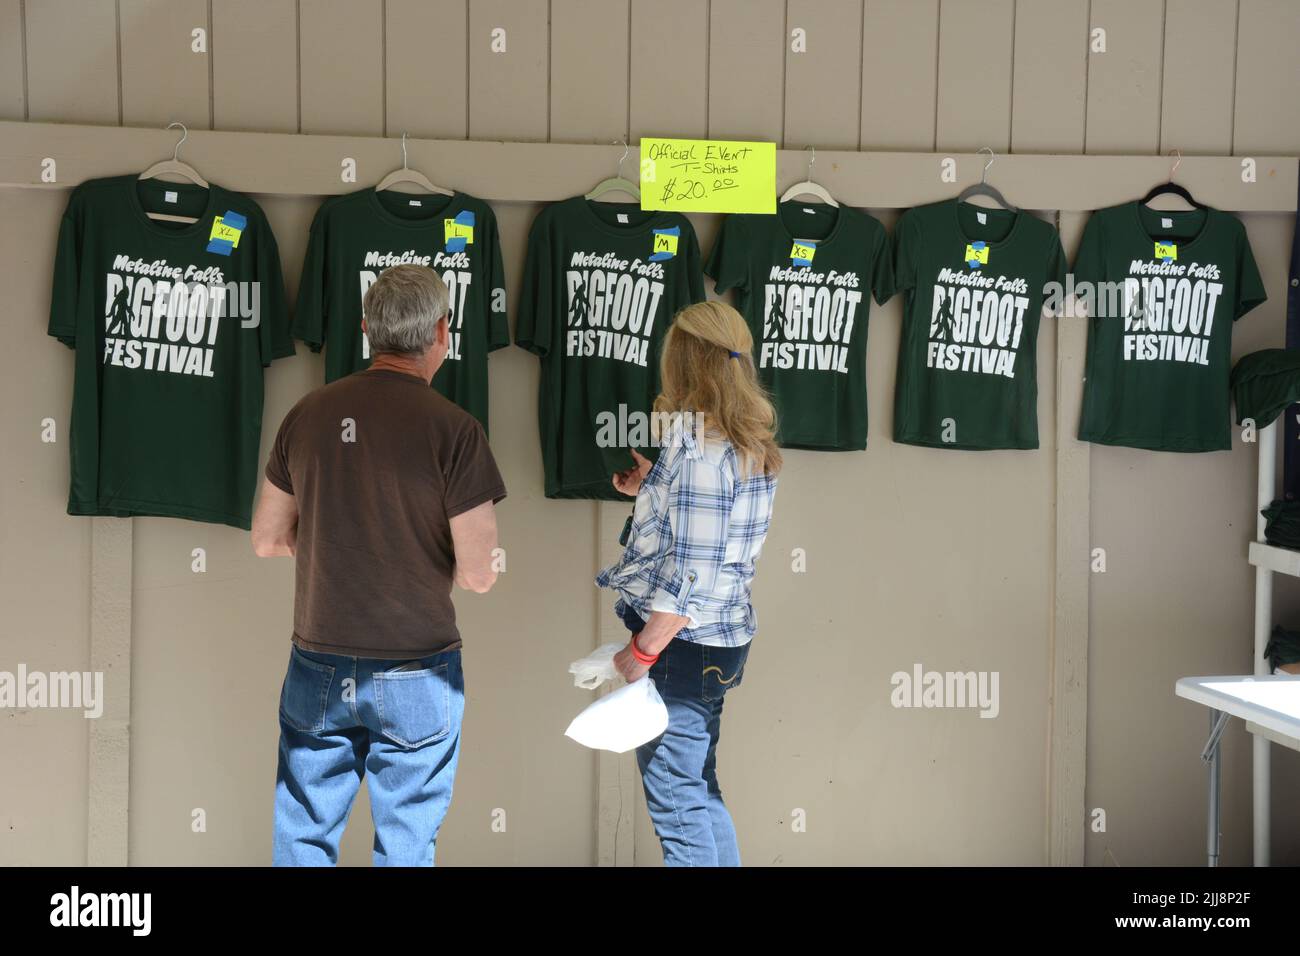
(402, 309)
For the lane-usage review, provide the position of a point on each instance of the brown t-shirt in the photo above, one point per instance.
(379, 463)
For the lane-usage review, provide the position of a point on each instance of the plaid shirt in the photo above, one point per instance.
(697, 529)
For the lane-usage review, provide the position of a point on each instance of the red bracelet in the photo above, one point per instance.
(641, 656)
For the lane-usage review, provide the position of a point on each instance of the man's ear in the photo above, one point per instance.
(364, 330)
(443, 332)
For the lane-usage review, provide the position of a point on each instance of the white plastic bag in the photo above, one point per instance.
(596, 668)
(623, 719)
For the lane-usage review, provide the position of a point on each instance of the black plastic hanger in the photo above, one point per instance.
(982, 188)
(1171, 188)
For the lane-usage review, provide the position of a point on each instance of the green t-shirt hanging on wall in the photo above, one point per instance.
(172, 324)
(1169, 287)
(804, 277)
(357, 236)
(968, 354)
(601, 285)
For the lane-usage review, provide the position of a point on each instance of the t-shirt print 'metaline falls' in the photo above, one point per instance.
(1162, 290)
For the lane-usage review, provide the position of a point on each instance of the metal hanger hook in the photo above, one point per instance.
(1177, 162)
(984, 176)
(812, 158)
(626, 149)
(185, 134)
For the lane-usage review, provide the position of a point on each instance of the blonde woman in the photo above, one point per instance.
(683, 583)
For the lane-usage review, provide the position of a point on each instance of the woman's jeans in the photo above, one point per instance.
(342, 718)
(679, 767)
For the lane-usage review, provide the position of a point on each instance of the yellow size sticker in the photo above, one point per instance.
(227, 233)
(451, 229)
(1167, 250)
(665, 242)
(802, 253)
(977, 252)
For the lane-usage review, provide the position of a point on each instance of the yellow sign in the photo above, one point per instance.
(700, 175)
(221, 231)
(978, 252)
(1167, 250)
(451, 229)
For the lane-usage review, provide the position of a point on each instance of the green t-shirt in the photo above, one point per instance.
(1157, 377)
(357, 236)
(804, 278)
(968, 354)
(601, 285)
(172, 324)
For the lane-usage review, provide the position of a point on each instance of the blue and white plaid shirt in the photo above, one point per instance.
(697, 529)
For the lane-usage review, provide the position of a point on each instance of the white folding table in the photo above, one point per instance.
(1270, 706)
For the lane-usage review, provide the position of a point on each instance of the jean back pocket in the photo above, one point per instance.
(305, 695)
(722, 668)
(414, 705)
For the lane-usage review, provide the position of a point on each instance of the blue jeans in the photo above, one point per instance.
(342, 718)
(679, 768)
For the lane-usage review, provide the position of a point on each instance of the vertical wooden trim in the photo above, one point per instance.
(1068, 683)
(615, 773)
(109, 769)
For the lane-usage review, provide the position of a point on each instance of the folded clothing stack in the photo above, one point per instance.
(1283, 650)
(1264, 383)
(1282, 524)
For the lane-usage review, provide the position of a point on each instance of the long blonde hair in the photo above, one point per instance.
(698, 374)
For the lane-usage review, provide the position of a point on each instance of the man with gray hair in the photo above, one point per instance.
(383, 491)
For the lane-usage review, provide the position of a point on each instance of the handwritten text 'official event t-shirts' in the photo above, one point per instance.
(1160, 347)
(172, 324)
(357, 236)
(601, 285)
(804, 277)
(968, 355)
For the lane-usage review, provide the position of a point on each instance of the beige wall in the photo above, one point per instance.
(914, 555)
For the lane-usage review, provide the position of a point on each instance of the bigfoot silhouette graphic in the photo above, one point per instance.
(579, 306)
(776, 321)
(119, 311)
(941, 328)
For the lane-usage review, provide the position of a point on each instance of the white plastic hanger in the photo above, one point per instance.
(808, 187)
(408, 175)
(617, 184)
(982, 188)
(174, 167)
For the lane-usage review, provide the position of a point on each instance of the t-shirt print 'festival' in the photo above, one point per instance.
(602, 283)
(1160, 332)
(804, 279)
(975, 282)
(172, 324)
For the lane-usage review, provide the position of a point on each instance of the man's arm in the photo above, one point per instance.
(275, 523)
(474, 538)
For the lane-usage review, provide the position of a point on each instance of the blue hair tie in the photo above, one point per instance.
(735, 355)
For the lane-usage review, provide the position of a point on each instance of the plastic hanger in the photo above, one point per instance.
(808, 187)
(617, 183)
(982, 188)
(408, 175)
(174, 167)
(1171, 188)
